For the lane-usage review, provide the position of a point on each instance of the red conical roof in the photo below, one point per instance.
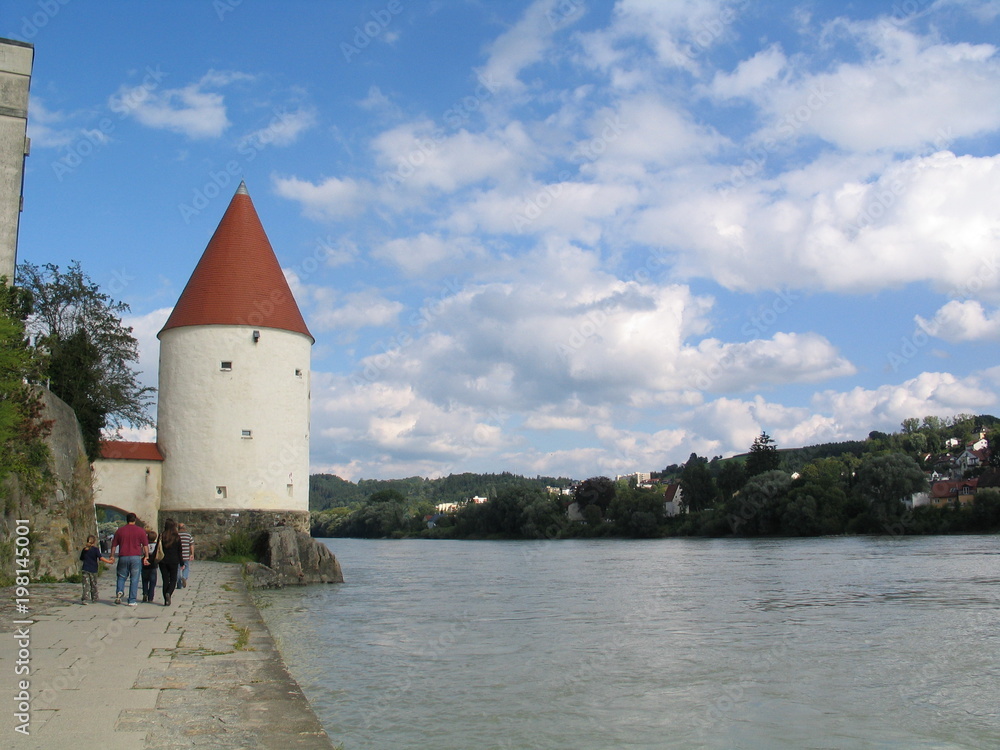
(238, 280)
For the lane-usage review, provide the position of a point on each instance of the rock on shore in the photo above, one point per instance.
(290, 558)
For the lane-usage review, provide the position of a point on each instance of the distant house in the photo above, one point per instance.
(672, 498)
(971, 458)
(963, 491)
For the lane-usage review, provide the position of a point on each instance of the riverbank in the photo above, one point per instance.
(203, 672)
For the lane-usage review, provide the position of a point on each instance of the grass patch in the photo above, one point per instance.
(242, 634)
(238, 548)
(242, 638)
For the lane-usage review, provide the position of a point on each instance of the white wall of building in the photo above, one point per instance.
(204, 411)
(16, 59)
(129, 485)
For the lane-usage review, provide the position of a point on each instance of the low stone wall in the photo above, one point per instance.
(212, 528)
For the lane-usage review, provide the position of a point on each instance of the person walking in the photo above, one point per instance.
(187, 555)
(90, 556)
(171, 542)
(132, 548)
(149, 568)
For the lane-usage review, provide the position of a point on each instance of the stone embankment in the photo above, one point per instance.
(201, 673)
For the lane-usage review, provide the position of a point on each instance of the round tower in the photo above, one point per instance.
(233, 407)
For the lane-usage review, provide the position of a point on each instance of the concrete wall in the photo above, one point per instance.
(204, 409)
(16, 59)
(129, 485)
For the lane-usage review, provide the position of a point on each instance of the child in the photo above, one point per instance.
(91, 555)
(149, 568)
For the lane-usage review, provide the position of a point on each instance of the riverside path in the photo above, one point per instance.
(201, 673)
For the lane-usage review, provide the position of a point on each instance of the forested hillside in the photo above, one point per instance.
(327, 491)
(855, 487)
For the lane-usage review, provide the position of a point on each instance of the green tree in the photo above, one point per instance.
(599, 491)
(730, 479)
(22, 449)
(757, 510)
(91, 352)
(763, 456)
(885, 481)
(698, 489)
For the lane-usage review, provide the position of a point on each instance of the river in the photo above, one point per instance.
(847, 642)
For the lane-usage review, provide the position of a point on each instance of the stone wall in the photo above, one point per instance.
(211, 528)
(64, 516)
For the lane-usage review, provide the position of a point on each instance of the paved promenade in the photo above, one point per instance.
(201, 673)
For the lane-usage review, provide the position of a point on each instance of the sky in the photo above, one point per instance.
(561, 237)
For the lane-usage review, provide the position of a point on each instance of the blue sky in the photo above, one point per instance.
(555, 237)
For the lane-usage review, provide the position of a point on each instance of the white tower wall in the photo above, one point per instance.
(205, 411)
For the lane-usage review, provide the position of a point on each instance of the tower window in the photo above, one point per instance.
(290, 489)
(298, 372)
(247, 434)
(221, 492)
(226, 365)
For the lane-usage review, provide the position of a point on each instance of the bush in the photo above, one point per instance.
(241, 547)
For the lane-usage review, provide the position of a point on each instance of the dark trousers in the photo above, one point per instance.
(149, 581)
(168, 572)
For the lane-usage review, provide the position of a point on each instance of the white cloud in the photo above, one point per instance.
(417, 156)
(144, 329)
(561, 332)
(519, 47)
(909, 93)
(333, 198)
(396, 432)
(927, 219)
(942, 394)
(643, 132)
(353, 310)
(419, 255)
(963, 321)
(750, 75)
(784, 358)
(43, 126)
(283, 129)
(195, 110)
(679, 33)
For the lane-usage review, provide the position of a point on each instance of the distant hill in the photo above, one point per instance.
(916, 438)
(330, 491)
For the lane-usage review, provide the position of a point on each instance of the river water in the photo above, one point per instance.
(595, 645)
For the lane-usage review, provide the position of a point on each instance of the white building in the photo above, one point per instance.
(16, 60)
(233, 411)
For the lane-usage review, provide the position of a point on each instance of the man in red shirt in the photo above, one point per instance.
(131, 545)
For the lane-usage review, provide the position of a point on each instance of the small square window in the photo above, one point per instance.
(226, 366)
(220, 492)
(247, 434)
(298, 372)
